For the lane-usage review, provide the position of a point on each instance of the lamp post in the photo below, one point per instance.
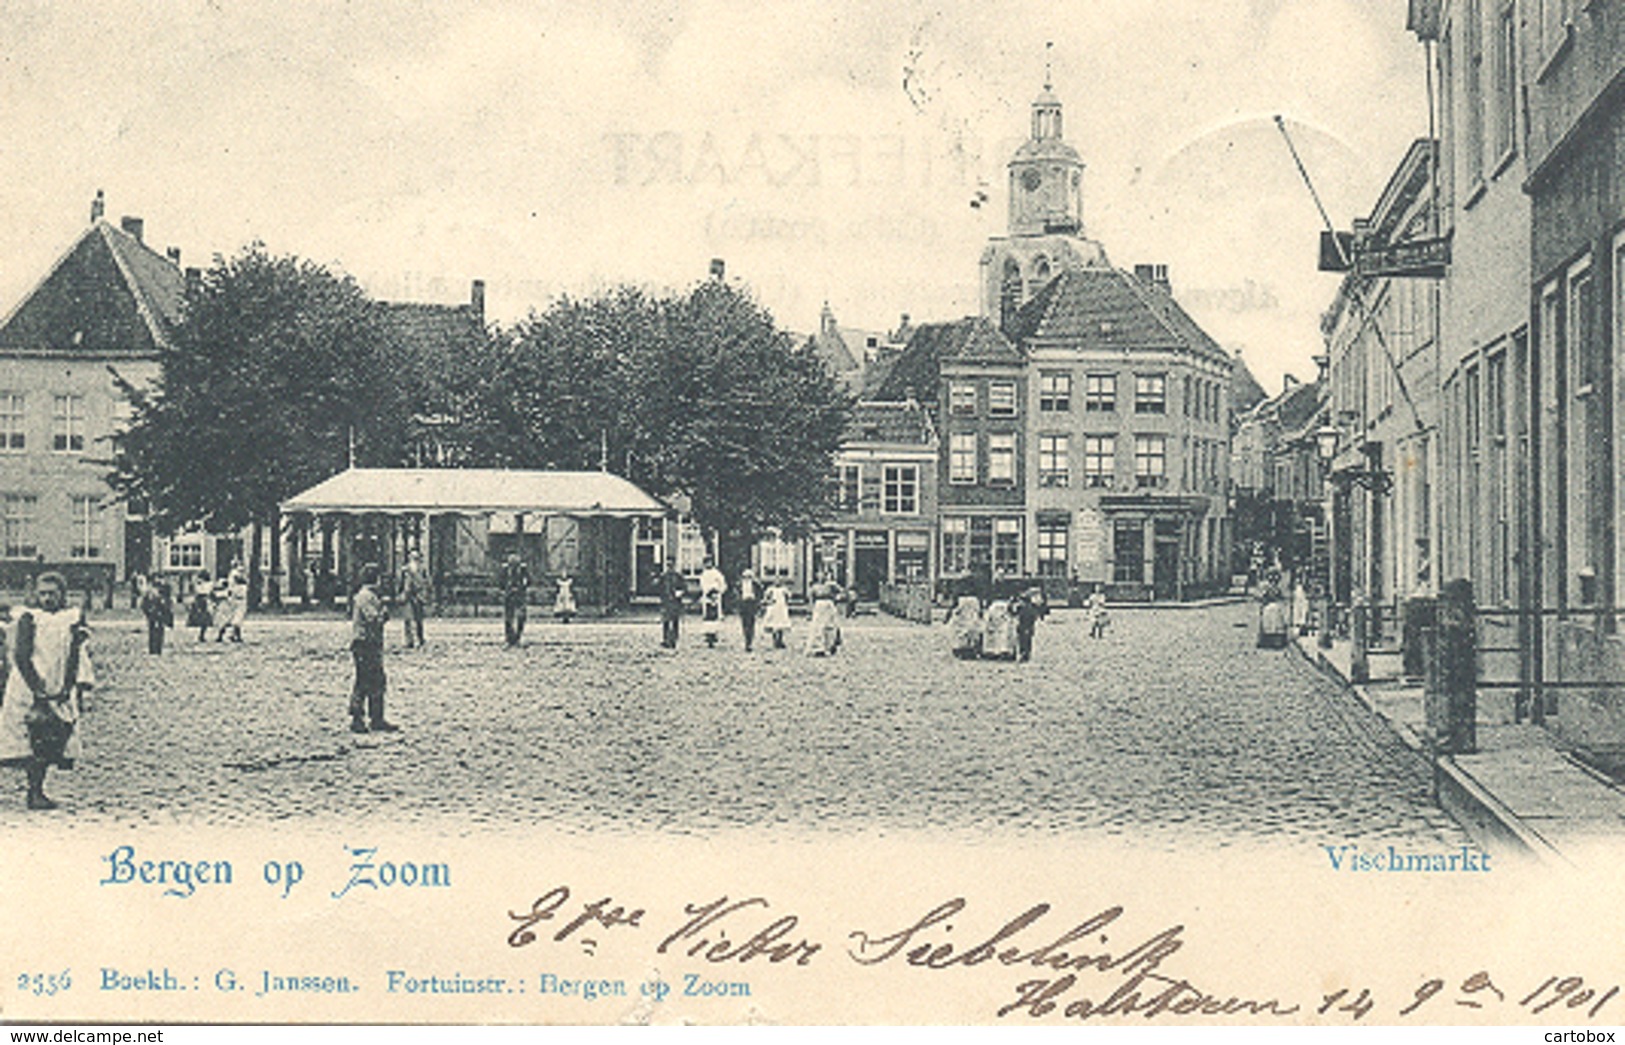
(1326, 439)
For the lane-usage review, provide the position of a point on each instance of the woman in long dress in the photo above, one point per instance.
(48, 667)
(999, 631)
(712, 585)
(965, 626)
(776, 617)
(824, 631)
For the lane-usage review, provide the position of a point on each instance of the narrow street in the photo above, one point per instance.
(1173, 731)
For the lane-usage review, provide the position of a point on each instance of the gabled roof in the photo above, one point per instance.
(431, 327)
(832, 351)
(474, 490)
(1107, 308)
(915, 370)
(1298, 404)
(1245, 391)
(108, 295)
(905, 423)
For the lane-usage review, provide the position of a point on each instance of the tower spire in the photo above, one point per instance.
(1049, 51)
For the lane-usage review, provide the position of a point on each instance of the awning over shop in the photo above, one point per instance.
(426, 491)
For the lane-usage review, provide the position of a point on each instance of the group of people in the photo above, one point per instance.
(755, 603)
(1002, 629)
(514, 580)
(220, 604)
(1002, 626)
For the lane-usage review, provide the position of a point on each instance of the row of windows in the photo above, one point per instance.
(896, 491)
(67, 422)
(1055, 460)
(973, 543)
(1485, 44)
(1001, 398)
(20, 526)
(1055, 395)
(1100, 393)
(980, 543)
(1203, 399)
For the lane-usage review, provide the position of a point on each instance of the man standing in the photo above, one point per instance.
(415, 589)
(672, 589)
(515, 582)
(1029, 607)
(748, 604)
(367, 617)
(160, 613)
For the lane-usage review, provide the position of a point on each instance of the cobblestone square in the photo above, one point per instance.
(1172, 731)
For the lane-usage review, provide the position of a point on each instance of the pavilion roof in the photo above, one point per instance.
(403, 491)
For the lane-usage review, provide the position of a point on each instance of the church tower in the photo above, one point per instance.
(1045, 234)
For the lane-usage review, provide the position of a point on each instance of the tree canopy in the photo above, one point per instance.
(276, 366)
(279, 367)
(697, 394)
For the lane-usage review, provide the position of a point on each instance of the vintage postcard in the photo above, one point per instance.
(1088, 513)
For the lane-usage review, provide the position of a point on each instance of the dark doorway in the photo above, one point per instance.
(1165, 570)
(869, 565)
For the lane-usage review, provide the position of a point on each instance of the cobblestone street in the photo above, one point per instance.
(1172, 731)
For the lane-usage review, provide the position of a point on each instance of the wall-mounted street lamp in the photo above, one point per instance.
(1370, 477)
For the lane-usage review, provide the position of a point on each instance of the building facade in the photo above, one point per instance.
(1382, 388)
(882, 521)
(106, 307)
(1129, 418)
(986, 447)
(1573, 59)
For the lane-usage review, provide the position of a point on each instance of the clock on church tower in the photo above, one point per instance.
(1046, 176)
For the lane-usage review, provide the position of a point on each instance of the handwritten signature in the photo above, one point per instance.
(1081, 973)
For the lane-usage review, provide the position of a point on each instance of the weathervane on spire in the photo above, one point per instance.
(1049, 48)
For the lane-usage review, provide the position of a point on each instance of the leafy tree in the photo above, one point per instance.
(276, 367)
(697, 394)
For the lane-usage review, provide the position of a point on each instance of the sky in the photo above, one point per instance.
(827, 151)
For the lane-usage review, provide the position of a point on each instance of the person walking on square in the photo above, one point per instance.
(415, 589)
(159, 610)
(999, 630)
(712, 585)
(965, 624)
(48, 670)
(776, 618)
(1030, 607)
(367, 616)
(515, 581)
(200, 614)
(748, 604)
(1098, 618)
(564, 602)
(672, 589)
(824, 630)
(231, 603)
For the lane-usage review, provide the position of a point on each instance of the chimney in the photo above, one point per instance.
(476, 300)
(718, 267)
(174, 256)
(826, 320)
(98, 207)
(134, 226)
